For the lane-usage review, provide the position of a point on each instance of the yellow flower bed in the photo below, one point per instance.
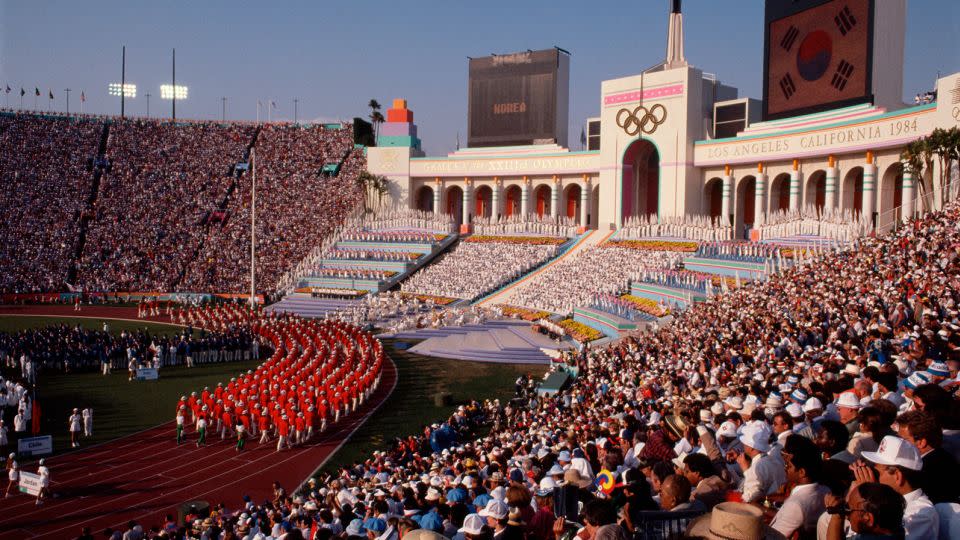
(439, 300)
(645, 305)
(580, 331)
(654, 245)
(530, 240)
(523, 313)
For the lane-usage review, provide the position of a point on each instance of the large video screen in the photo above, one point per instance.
(513, 98)
(818, 55)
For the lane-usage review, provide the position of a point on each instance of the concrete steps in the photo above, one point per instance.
(502, 341)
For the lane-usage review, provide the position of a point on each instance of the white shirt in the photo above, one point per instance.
(801, 509)
(920, 518)
(75, 422)
(765, 476)
(19, 423)
(44, 473)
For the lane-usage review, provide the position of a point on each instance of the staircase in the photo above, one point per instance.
(91, 207)
(305, 305)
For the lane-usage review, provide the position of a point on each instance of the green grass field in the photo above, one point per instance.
(121, 407)
(13, 323)
(411, 405)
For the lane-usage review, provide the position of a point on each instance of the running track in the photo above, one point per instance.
(145, 476)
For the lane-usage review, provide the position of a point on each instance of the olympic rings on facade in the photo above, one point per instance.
(641, 119)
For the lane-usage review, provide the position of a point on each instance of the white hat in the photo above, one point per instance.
(472, 524)
(494, 509)
(794, 411)
(555, 470)
(727, 429)
(848, 400)
(467, 482)
(756, 436)
(734, 402)
(547, 485)
(851, 369)
(564, 456)
(655, 418)
(717, 408)
(812, 404)
(896, 451)
(706, 416)
(432, 494)
(499, 493)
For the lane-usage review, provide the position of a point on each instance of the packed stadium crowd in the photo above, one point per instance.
(296, 208)
(473, 269)
(163, 182)
(44, 188)
(171, 213)
(575, 280)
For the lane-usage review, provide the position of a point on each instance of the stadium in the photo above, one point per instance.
(720, 317)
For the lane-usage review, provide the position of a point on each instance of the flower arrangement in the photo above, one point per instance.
(440, 237)
(356, 293)
(523, 313)
(645, 305)
(528, 240)
(731, 281)
(580, 331)
(438, 300)
(654, 245)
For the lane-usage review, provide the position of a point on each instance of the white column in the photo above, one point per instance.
(760, 200)
(726, 199)
(830, 189)
(437, 191)
(909, 192)
(869, 189)
(466, 204)
(584, 204)
(525, 198)
(495, 200)
(796, 179)
(555, 199)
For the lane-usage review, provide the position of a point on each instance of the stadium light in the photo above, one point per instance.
(169, 91)
(128, 90)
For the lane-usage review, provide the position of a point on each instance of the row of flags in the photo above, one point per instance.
(36, 92)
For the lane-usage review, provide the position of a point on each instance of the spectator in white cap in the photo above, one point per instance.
(763, 474)
(473, 528)
(848, 405)
(800, 425)
(496, 515)
(897, 463)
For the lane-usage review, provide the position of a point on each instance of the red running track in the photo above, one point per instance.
(145, 476)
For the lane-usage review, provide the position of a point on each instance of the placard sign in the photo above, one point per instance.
(147, 374)
(35, 446)
(29, 483)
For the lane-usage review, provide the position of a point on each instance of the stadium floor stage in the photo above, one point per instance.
(145, 476)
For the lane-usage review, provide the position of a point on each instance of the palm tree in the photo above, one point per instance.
(945, 145)
(376, 118)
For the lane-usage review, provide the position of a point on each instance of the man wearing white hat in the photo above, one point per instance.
(496, 514)
(897, 463)
(763, 474)
(848, 405)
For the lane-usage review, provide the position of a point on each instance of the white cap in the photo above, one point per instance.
(734, 402)
(472, 524)
(432, 494)
(467, 482)
(794, 411)
(812, 404)
(756, 436)
(499, 493)
(896, 451)
(556, 469)
(495, 509)
(727, 429)
(564, 456)
(848, 400)
(717, 408)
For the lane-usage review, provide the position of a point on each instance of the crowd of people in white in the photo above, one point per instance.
(575, 280)
(843, 225)
(693, 227)
(473, 269)
(545, 225)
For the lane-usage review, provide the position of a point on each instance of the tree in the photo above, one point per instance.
(374, 187)
(945, 145)
(376, 118)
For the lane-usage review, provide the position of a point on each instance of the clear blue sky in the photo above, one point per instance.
(334, 56)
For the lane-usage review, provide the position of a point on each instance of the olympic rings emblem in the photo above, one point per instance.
(641, 119)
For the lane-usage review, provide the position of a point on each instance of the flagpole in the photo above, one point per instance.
(67, 90)
(253, 231)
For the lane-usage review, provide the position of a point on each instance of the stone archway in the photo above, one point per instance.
(571, 204)
(483, 201)
(745, 215)
(541, 197)
(713, 198)
(852, 191)
(424, 199)
(511, 198)
(891, 194)
(640, 185)
(455, 203)
(780, 192)
(815, 193)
